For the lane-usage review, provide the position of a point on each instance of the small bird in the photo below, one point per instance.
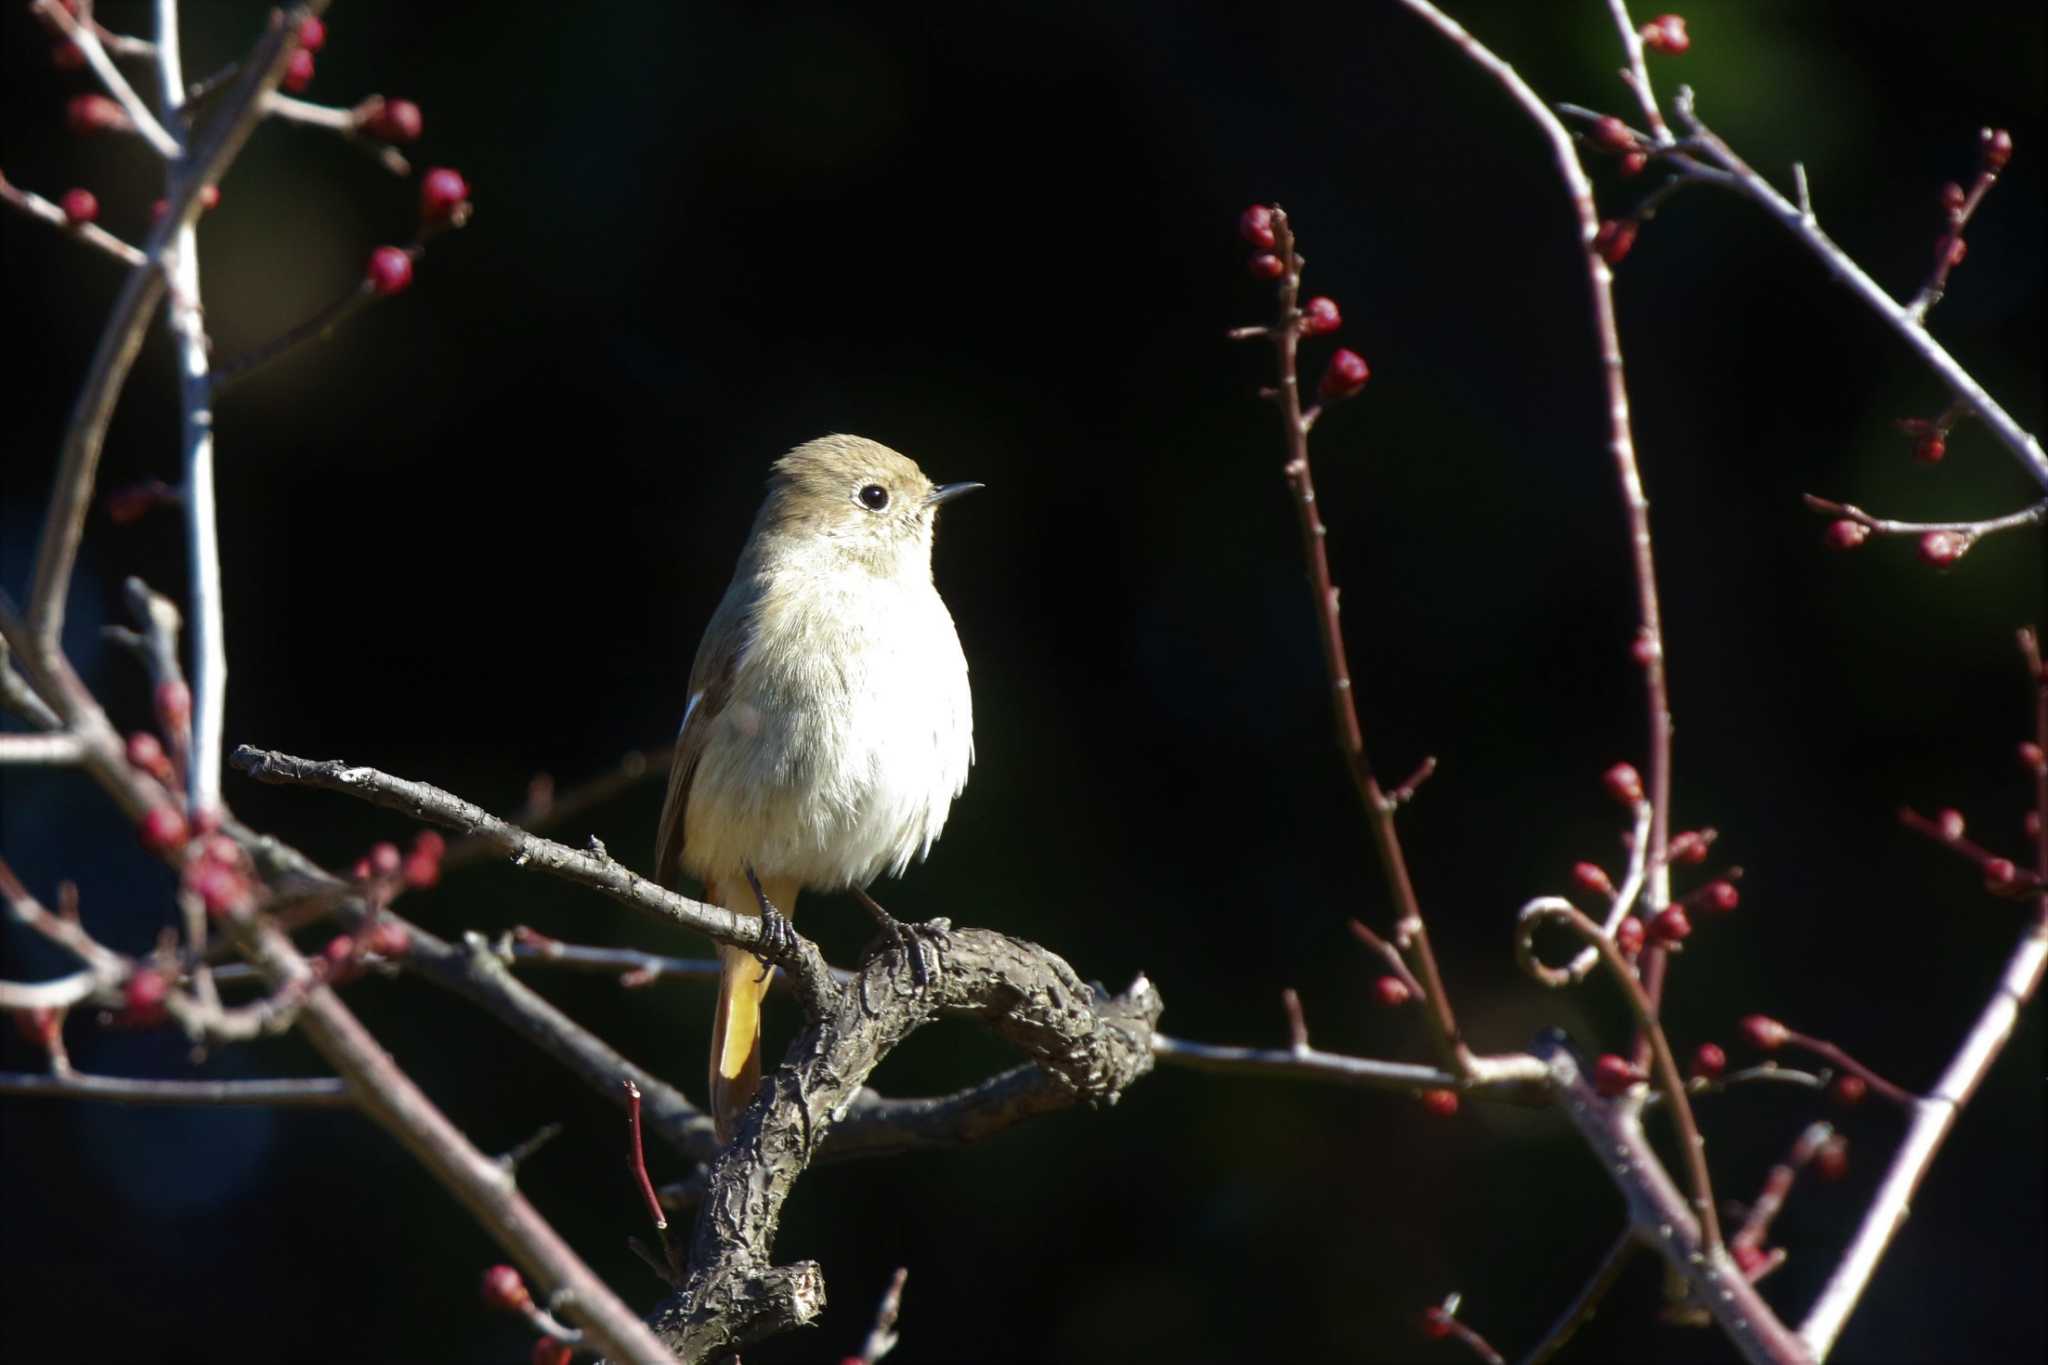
(829, 726)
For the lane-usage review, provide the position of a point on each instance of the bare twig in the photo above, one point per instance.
(1947, 250)
(1587, 1302)
(1724, 169)
(86, 38)
(1637, 74)
(35, 206)
(1511, 1076)
(1660, 1219)
(212, 149)
(882, 1337)
(53, 750)
(556, 809)
(317, 1092)
(1621, 440)
(1692, 1146)
(1770, 1200)
(597, 871)
(1936, 1113)
(1969, 531)
(636, 1158)
(1410, 930)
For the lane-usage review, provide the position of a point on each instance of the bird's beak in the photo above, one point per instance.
(946, 492)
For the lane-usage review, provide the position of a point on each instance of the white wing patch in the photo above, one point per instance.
(688, 709)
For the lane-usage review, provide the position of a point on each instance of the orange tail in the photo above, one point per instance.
(736, 1028)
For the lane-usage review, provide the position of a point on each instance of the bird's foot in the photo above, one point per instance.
(778, 935)
(913, 939)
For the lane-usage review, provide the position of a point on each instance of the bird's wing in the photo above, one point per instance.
(711, 682)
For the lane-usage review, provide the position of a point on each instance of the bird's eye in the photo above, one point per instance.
(874, 497)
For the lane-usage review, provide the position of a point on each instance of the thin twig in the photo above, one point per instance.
(1587, 1302)
(636, 1158)
(57, 750)
(1621, 440)
(1659, 1216)
(1970, 531)
(1770, 1200)
(85, 37)
(1936, 1113)
(1730, 172)
(317, 1092)
(1692, 1147)
(1410, 930)
(1637, 74)
(1512, 1076)
(37, 207)
(882, 1337)
(557, 809)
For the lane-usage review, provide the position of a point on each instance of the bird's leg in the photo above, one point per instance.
(906, 936)
(778, 935)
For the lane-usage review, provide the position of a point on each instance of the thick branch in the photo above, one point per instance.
(1660, 1217)
(1090, 1046)
(314, 1092)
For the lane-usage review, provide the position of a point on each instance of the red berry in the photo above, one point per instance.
(502, 1288)
(95, 114)
(1255, 225)
(1929, 447)
(1345, 375)
(1666, 33)
(1999, 873)
(80, 207)
(1709, 1060)
(1951, 250)
(387, 938)
(442, 192)
(220, 889)
(1749, 1259)
(1943, 548)
(1845, 534)
(1612, 1075)
(1996, 146)
(1671, 925)
(146, 752)
(157, 209)
(548, 1351)
(1690, 846)
(384, 859)
(66, 56)
(1849, 1090)
(361, 871)
(390, 270)
(1390, 991)
(422, 871)
(174, 705)
(1623, 783)
(1610, 134)
(1831, 1162)
(1764, 1033)
(1628, 936)
(1319, 316)
(144, 991)
(395, 121)
(1949, 824)
(430, 843)
(1592, 877)
(1442, 1103)
(2032, 758)
(312, 34)
(1953, 198)
(1613, 240)
(1632, 163)
(1436, 1323)
(1720, 897)
(339, 954)
(209, 197)
(1643, 650)
(298, 71)
(163, 829)
(1267, 266)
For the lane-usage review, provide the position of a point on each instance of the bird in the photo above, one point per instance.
(829, 725)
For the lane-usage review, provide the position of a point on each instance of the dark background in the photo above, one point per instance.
(475, 538)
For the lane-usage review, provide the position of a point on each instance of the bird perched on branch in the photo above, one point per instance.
(829, 726)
